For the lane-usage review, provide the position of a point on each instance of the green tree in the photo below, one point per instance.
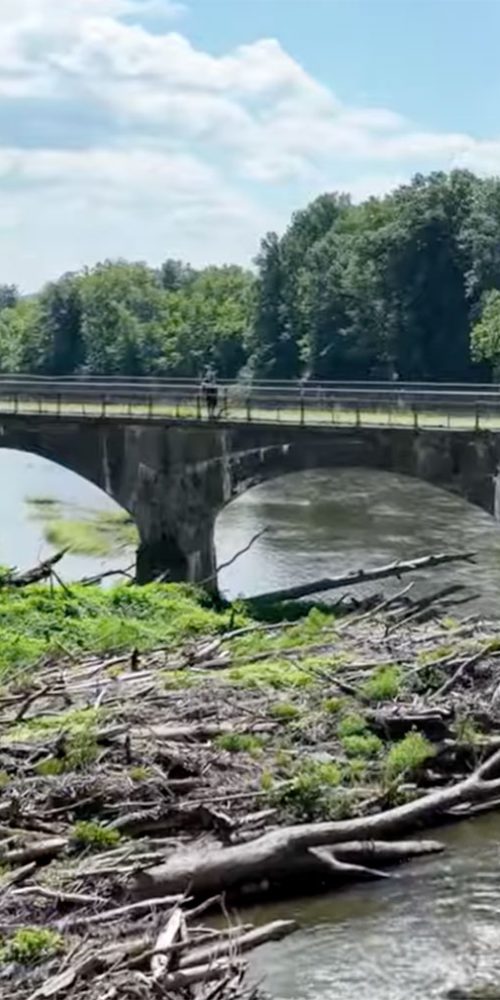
(9, 296)
(274, 352)
(19, 336)
(485, 338)
(61, 347)
(124, 315)
(175, 275)
(213, 321)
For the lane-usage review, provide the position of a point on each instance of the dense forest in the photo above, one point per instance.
(407, 285)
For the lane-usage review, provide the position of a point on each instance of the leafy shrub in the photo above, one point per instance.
(362, 745)
(50, 767)
(351, 725)
(332, 706)
(284, 711)
(31, 945)
(94, 837)
(237, 742)
(309, 792)
(408, 755)
(384, 684)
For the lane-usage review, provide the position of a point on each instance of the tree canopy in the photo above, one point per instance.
(407, 284)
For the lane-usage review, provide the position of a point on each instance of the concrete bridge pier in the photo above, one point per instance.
(174, 491)
(169, 554)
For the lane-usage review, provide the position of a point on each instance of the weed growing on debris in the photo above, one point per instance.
(31, 945)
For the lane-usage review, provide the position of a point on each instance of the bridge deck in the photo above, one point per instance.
(325, 404)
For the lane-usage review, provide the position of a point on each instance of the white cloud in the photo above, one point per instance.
(125, 136)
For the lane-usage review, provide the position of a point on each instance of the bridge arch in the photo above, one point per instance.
(462, 463)
(173, 477)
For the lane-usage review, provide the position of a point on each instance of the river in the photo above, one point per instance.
(436, 923)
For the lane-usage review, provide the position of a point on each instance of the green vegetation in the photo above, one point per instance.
(237, 742)
(278, 674)
(406, 756)
(352, 724)
(332, 706)
(94, 837)
(309, 793)
(30, 946)
(35, 623)
(384, 684)
(363, 745)
(140, 773)
(405, 283)
(284, 711)
(73, 721)
(92, 533)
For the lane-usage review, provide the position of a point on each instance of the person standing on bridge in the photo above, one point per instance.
(210, 392)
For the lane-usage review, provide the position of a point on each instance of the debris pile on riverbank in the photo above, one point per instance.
(143, 787)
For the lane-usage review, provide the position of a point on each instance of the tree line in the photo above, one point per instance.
(404, 286)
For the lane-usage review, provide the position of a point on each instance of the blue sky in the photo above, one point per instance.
(155, 128)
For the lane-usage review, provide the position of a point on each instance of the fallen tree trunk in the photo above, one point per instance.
(276, 854)
(272, 860)
(359, 576)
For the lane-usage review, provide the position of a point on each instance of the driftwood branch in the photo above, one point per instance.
(360, 576)
(36, 575)
(285, 854)
(241, 552)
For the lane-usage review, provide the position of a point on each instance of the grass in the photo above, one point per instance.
(74, 721)
(277, 674)
(30, 946)
(96, 533)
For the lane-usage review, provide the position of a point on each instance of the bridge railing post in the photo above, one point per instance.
(358, 415)
(302, 407)
(16, 403)
(249, 409)
(58, 409)
(477, 420)
(150, 407)
(198, 405)
(103, 406)
(415, 416)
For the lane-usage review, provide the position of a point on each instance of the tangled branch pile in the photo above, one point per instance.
(145, 789)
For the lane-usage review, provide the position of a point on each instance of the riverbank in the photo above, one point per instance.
(166, 746)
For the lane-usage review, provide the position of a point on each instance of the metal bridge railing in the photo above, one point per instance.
(314, 404)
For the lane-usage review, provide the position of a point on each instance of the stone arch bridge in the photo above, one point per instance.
(175, 476)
